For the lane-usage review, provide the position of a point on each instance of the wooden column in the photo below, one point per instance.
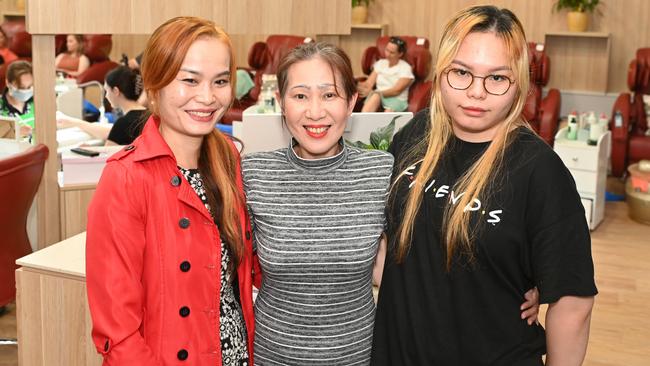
(45, 127)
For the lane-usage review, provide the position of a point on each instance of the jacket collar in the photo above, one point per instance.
(151, 144)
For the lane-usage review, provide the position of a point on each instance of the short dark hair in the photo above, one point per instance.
(129, 82)
(336, 58)
(400, 43)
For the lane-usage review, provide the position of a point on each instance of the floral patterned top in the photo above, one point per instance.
(234, 350)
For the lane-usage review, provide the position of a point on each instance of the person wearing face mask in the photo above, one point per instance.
(122, 88)
(388, 84)
(18, 98)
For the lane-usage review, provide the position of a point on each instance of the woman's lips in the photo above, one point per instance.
(473, 111)
(317, 131)
(201, 115)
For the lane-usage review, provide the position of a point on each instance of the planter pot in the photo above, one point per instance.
(577, 21)
(359, 14)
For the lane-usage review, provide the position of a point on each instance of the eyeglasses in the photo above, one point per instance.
(460, 79)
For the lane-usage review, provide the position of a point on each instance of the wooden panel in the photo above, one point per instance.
(74, 205)
(51, 308)
(356, 43)
(129, 44)
(28, 318)
(584, 61)
(143, 16)
(44, 111)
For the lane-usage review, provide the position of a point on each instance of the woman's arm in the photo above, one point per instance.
(115, 256)
(567, 330)
(397, 89)
(96, 130)
(366, 87)
(378, 268)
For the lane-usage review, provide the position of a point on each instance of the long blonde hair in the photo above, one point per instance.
(456, 233)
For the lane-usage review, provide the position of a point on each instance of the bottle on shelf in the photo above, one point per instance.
(267, 102)
(595, 129)
(572, 119)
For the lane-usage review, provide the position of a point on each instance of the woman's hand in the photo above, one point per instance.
(530, 308)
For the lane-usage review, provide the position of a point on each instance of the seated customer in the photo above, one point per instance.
(17, 99)
(7, 56)
(389, 81)
(72, 62)
(123, 86)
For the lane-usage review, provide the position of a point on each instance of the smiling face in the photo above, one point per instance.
(476, 115)
(314, 112)
(190, 106)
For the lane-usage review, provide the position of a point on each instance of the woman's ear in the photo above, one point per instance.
(352, 102)
(280, 101)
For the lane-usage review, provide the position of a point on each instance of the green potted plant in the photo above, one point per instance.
(360, 11)
(380, 138)
(577, 16)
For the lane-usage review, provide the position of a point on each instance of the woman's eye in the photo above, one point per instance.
(460, 72)
(300, 96)
(498, 78)
(329, 95)
(189, 81)
(222, 82)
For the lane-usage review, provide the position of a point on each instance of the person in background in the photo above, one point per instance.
(388, 84)
(122, 88)
(168, 251)
(7, 56)
(72, 62)
(18, 97)
(481, 209)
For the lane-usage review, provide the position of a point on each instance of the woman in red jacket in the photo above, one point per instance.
(168, 256)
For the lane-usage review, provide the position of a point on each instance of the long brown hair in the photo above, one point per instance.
(456, 233)
(218, 160)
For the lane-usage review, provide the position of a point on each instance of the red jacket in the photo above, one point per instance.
(152, 250)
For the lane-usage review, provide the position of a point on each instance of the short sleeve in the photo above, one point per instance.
(557, 232)
(405, 70)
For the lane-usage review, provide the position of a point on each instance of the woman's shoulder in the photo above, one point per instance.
(529, 152)
(264, 159)
(369, 156)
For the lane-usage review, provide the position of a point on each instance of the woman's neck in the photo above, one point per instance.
(186, 149)
(129, 105)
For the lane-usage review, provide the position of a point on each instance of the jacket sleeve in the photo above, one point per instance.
(115, 247)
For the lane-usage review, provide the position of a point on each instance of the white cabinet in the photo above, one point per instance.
(588, 166)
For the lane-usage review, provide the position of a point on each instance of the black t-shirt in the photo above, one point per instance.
(127, 127)
(533, 232)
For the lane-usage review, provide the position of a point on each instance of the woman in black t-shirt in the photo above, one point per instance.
(481, 210)
(122, 88)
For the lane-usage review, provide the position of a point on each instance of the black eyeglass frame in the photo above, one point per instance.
(510, 82)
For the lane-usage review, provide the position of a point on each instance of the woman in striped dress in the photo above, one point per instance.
(318, 212)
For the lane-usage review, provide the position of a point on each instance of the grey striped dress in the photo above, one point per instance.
(317, 225)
